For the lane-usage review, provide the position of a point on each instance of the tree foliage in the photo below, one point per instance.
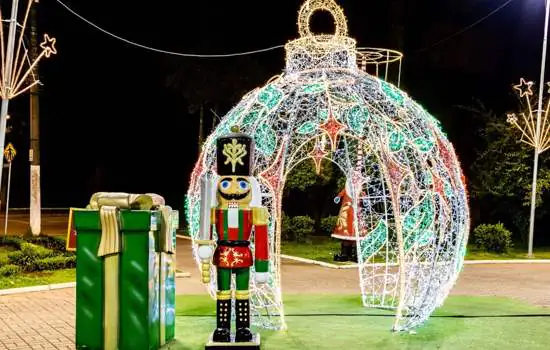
(503, 172)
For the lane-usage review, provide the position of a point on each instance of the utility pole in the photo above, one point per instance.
(34, 151)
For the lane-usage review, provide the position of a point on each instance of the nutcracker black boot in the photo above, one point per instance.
(242, 314)
(222, 334)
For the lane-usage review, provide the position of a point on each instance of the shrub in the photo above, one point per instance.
(286, 227)
(328, 224)
(301, 227)
(493, 238)
(9, 270)
(28, 255)
(53, 263)
(35, 251)
(58, 244)
(12, 241)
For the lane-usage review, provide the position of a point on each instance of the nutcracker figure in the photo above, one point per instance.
(235, 214)
(344, 230)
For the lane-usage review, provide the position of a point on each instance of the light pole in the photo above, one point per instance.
(538, 135)
(534, 126)
(17, 71)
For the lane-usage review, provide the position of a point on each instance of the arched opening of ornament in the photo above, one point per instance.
(309, 209)
(368, 216)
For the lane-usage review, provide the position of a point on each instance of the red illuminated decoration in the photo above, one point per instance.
(333, 128)
(274, 174)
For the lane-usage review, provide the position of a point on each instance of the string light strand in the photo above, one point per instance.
(173, 53)
(465, 29)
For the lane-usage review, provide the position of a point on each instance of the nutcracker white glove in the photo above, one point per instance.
(205, 252)
(261, 277)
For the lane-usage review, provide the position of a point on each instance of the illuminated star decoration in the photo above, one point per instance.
(317, 155)
(48, 45)
(526, 120)
(19, 66)
(524, 88)
(332, 127)
(511, 118)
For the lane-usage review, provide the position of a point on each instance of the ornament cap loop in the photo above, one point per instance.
(312, 6)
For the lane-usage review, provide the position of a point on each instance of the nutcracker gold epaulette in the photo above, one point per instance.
(260, 216)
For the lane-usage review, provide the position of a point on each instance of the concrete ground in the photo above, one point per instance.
(45, 320)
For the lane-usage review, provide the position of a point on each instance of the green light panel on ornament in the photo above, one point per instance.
(358, 116)
(270, 96)
(313, 88)
(265, 139)
(392, 93)
(418, 222)
(375, 240)
(307, 128)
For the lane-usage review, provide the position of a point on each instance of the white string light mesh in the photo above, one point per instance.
(411, 201)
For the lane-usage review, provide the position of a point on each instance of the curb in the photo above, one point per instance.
(354, 266)
(466, 262)
(33, 289)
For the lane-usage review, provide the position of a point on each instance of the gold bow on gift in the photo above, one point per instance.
(122, 200)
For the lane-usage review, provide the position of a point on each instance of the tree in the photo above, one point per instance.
(312, 193)
(210, 84)
(503, 173)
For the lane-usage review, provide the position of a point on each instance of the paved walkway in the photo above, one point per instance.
(45, 320)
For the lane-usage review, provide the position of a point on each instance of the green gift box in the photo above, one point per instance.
(122, 268)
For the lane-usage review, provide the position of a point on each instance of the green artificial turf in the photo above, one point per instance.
(340, 322)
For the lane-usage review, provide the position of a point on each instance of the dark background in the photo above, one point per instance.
(110, 122)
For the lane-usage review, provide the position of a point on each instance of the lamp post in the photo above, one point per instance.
(17, 71)
(538, 132)
(534, 126)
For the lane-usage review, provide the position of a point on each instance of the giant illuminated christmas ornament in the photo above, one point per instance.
(231, 218)
(414, 208)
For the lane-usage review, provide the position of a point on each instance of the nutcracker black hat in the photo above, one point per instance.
(234, 153)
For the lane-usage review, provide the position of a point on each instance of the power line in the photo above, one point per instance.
(133, 43)
(173, 53)
(463, 30)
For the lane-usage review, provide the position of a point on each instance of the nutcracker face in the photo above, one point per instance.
(234, 189)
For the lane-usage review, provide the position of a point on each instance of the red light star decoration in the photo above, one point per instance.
(317, 155)
(332, 127)
(524, 88)
(273, 175)
(48, 45)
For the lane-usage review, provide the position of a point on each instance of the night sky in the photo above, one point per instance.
(110, 122)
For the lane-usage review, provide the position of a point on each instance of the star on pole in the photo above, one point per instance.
(48, 45)
(512, 118)
(524, 88)
(332, 127)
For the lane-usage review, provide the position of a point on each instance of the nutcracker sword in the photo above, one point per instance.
(206, 207)
(204, 238)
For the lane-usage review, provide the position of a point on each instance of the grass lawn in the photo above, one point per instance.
(28, 279)
(324, 248)
(462, 323)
